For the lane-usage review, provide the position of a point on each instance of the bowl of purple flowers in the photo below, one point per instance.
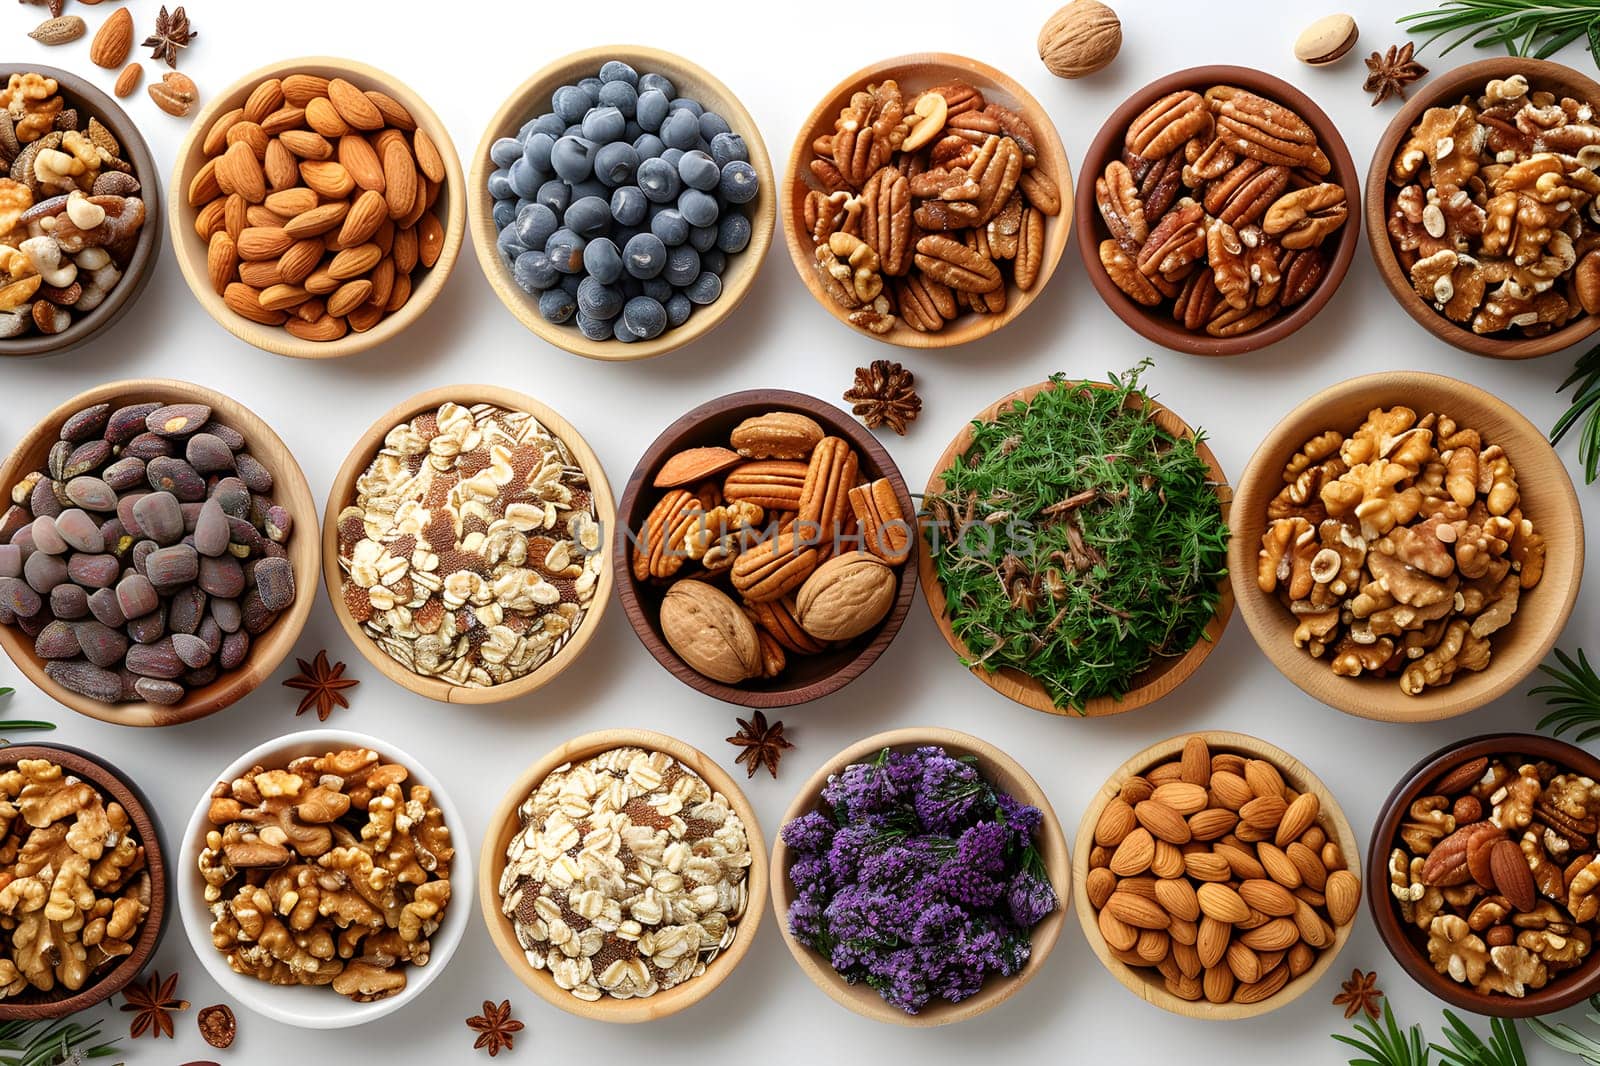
(920, 877)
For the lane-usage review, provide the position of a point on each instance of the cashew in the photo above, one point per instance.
(44, 254)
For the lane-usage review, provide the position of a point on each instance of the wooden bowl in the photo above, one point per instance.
(915, 73)
(505, 823)
(90, 100)
(114, 785)
(1157, 323)
(450, 210)
(289, 489)
(343, 493)
(808, 677)
(1547, 498)
(1157, 679)
(1005, 774)
(1409, 945)
(1147, 984)
(531, 99)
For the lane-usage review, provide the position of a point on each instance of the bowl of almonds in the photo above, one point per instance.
(929, 200)
(320, 207)
(1217, 875)
(1222, 217)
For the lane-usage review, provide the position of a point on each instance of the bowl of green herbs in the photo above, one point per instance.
(1075, 546)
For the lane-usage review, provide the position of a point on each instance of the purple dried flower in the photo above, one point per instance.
(1029, 898)
(810, 833)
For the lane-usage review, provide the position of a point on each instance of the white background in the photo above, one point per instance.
(464, 58)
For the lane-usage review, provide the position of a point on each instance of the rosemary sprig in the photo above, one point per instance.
(1537, 28)
(57, 1044)
(1386, 1044)
(1466, 1047)
(1564, 1037)
(1574, 698)
(1585, 409)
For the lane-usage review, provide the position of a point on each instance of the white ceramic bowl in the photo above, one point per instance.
(321, 1008)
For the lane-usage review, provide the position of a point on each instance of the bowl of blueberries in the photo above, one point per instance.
(621, 202)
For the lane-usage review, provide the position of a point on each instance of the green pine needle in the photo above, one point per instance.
(1386, 1044)
(1574, 698)
(53, 1045)
(1585, 409)
(1537, 28)
(1564, 1037)
(1466, 1047)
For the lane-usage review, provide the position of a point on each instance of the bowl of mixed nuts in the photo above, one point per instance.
(1406, 547)
(1222, 214)
(321, 207)
(929, 200)
(673, 865)
(80, 211)
(150, 569)
(1488, 851)
(1481, 207)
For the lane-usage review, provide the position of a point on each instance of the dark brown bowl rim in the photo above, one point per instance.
(79, 92)
(1563, 991)
(1153, 323)
(646, 625)
(113, 784)
(1446, 86)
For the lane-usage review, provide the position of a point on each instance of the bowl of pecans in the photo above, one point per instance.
(929, 200)
(1222, 214)
(320, 207)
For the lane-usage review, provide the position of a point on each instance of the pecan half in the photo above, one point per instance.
(1303, 218)
(1175, 243)
(1126, 275)
(1302, 271)
(1244, 193)
(1197, 301)
(1030, 249)
(1041, 191)
(1163, 126)
(1118, 200)
(886, 219)
(952, 263)
(924, 305)
(1229, 269)
(869, 131)
(1265, 130)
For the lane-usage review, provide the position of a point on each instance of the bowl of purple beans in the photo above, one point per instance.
(621, 202)
(920, 877)
(150, 570)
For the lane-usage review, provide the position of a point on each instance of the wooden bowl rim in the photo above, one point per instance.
(191, 252)
(1053, 849)
(836, 422)
(968, 326)
(148, 247)
(1159, 678)
(112, 784)
(1449, 86)
(515, 111)
(289, 487)
(505, 822)
(1147, 322)
(342, 493)
(1300, 778)
(1376, 698)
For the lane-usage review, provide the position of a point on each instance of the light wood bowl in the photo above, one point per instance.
(531, 99)
(505, 823)
(916, 73)
(1156, 680)
(289, 489)
(1446, 90)
(343, 493)
(1147, 983)
(1547, 498)
(1005, 774)
(191, 250)
(113, 784)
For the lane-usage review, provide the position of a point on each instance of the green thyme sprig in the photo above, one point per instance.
(1564, 1037)
(1536, 28)
(1574, 696)
(1584, 412)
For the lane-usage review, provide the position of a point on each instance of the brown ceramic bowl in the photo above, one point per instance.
(90, 100)
(1409, 945)
(808, 677)
(916, 73)
(1160, 677)
(289, 488)
(505, 823)
(450, 209)
(1447, 90)
(114, 785)
(343, 493)
(1157, 323)
(1547, 498)
(1000, 770)
(531, 99)
(1146, 983)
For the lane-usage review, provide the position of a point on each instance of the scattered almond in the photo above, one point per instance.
(128, 80)
(113, 40)
(59, 30)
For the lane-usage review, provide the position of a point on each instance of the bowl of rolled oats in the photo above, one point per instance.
(1481, 207)
(462, 544)
(617, 810)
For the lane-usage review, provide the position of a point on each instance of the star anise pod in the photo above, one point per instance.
(1360, 993)
(495, 1027)
(1391, 72)
(763, 744)
(153, 1004)
(172, 33)
(883, 396)
(322, 684)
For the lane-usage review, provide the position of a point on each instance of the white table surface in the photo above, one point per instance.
(463, 58)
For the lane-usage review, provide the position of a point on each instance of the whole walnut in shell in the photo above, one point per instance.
(845, 597)
(1079, 39)
(710, 632)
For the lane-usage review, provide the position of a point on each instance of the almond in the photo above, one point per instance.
(326, 328)
(1196, 760)
(113, 40)
(203, 187)
(1134, 789)
(1115, 822)
(264, 99)
(1267, 986)
(1184, 931)
(1242, 862)
(1159, 775)
(356, 155)
(693, 465)
(1244, 962)
(1212, 823)
(1217, 984)
(429, 161)
(1312, 872)
(175, 93)
(251, 134)
(1268, 897)
(1168, 860)
(1155, 949)
(128, 80)
(327, 179)
(1264, 778)
(1206, 866)
(216, 139)
(351, 295)
(1313, 930)
(1297, 818)
(1263, 812)
(291, 202)
(245, 301)
(300, 89)
(1344, 894)
(1230, 790)
(1300, 959)
(282, 297)
(1118, 934)
(239, 171)
(1279, 934)
(1137, 911)
(208, 219)
(1134, 854)
(430, 240)
(399, 177)
(367, 213)
(1163, 822)
(279, 167)
(1138, 885)
(354, 106)
(306, 144)
(1278, 866)
(393, 111)
(354, 262)
(1332, 858)
(260, 273)
(319, 281)
(1212, 942)
(263, 242)
(63, 29)
(1222, 903)
(317, 220)
(1177, 897)
(1182, 796)
(322, 117)
(1462, 777)
(401, 293)
(1227, 762)
(222, 261)
(296, 264)
(1098, 885)
(287, 118)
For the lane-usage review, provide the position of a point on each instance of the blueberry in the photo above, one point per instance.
(588, 217)
(602, 125)
(652, 108)
(591, 84)
(557, 305)
(684, 103)
(645, 255)
(632, 131)
(658, 180)
(573, 158)
(669, 226)
(629, 205)
(565, 249)
(713, 125)
(739, 183)
(598, 300)
(533, 272)
(525, 180)
(683, 265)
(508, 245)
(591, 187)
(505, 151)
(505, 213)
(555, 194)
(699, 208)
(698, 171)
(657, 82)
(596, 329)
(733, 233)
(617, 70)
(678, 309)
(658, 289)
(616, 163)
(644, 317)
(714, 261)
(620, 331)
(570, 283)
(648, 145)
(705, 290)
(574, 130)
(548, 123)
(623, 234)
(702, 238)
(680, 130)
(535, 223)
(537, 150)
(672, 155)
(570, 102)
(602, 260)
(620, 95)
(500, 185)
(729, 147)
